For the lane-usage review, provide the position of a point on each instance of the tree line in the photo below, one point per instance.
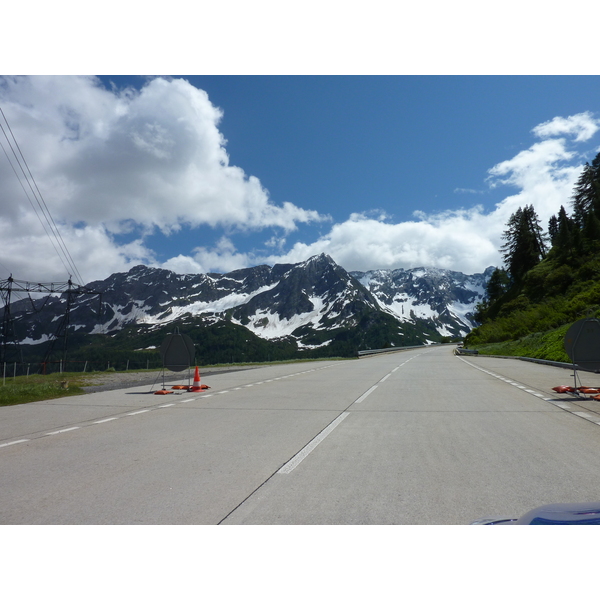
(570, 240)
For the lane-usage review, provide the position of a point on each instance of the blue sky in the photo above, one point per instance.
(214, 173)
(385, 135)
(394, 144)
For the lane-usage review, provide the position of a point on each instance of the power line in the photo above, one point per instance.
(70, 263)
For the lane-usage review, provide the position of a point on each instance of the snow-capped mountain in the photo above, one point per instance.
(313, 305)
(446, 298)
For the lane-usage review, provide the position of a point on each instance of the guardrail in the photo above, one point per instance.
(394, 349)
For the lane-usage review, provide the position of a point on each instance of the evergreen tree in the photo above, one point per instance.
(525, 244)
(498, 283)
(586, 195)
(553, 229)
(562, 243)
(591, 232)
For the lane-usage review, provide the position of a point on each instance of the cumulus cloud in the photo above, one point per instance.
(582, 126)
(222, 258)
(117, 161)
(108, 159)
(458, 240)
(466, 240)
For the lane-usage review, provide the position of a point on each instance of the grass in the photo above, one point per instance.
(547, 346)
(34, 388)
(20, 390)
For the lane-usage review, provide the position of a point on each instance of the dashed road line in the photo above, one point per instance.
(300, 456)
(12, 443)
(145, 410)
(62, 431)
(372, 389)
(567, 408)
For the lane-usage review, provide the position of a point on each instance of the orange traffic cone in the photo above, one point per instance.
(196, 387)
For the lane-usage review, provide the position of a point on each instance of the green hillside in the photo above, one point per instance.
(549, 280)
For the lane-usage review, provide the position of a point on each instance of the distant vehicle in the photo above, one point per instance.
(586, 513)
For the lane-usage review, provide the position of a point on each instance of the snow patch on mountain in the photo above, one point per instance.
(269, 325)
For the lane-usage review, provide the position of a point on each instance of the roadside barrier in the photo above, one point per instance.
(394, 349)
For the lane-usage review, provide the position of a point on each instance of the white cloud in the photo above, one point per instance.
(92, 249)
(466, 240)
(113, 161)
(107, 159)
(468, 191)
(583, 126)
(457, 240)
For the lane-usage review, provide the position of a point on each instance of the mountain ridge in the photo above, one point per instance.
(313, 306)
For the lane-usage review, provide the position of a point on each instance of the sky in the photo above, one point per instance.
(215, 173)
(384, 136)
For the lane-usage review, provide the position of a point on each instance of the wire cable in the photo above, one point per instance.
(71, 267)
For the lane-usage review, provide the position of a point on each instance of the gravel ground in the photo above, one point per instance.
(114, 381)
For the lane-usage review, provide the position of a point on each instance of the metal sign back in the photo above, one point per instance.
(177, 352)
(582, 344)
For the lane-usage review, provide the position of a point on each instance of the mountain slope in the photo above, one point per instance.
(314, 307)
(445, 298)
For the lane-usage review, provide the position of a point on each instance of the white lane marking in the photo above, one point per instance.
(62, 431)
(139, 412)
(394, 370)
(11, 443)
(382, 380)
(298, 458)
(372, 389)
(565, 407)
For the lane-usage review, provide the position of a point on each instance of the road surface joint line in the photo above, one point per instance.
(298, 458)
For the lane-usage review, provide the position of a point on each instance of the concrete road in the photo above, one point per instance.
(415, 437)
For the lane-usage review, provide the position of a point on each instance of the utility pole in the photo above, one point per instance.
(10, 285)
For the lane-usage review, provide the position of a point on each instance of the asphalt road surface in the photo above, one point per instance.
(414, 437)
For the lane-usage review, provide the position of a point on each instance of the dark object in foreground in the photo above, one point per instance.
(585, 513)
